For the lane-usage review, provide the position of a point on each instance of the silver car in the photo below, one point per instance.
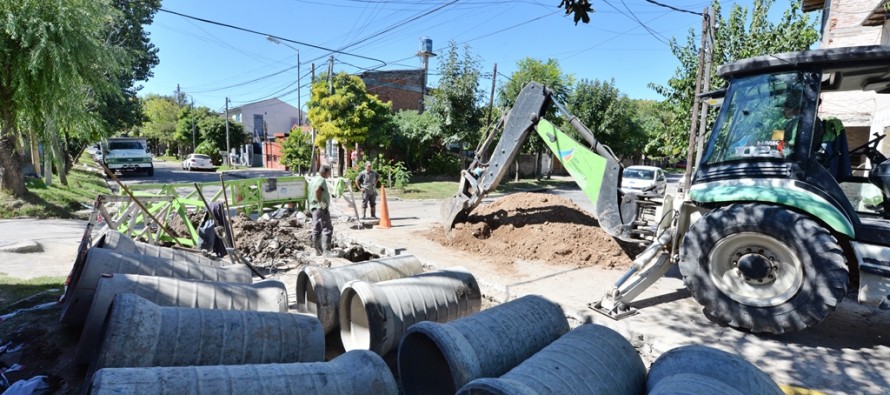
(648, 180)
(197, 162)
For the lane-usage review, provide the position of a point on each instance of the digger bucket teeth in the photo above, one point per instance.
(452, 210)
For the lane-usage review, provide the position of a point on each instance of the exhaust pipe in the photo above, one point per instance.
(121, 243)
(100, 261)
(353, 373)
(376, 316)
(139, 333)
(318, 288)
(591, 359)
(269, 295)
(438, 358)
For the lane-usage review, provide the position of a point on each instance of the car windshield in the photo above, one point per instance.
(758, 119)
(640, 174)
(118, 145)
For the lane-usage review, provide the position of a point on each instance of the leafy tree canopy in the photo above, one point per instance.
(349, 114)
(609, 114)
(454, 104)
(297, 150)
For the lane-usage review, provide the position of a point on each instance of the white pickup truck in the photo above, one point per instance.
(128, 154)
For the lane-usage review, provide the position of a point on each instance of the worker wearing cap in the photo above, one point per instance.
(319, 200)
(367, 182)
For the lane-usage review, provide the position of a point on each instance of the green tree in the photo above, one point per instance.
(550, 75)
(738, 37)
(417, 137)
(348, 113)
(162, 116)
(609, 114)
(212, 130)
(454, 103)
(297, 150)
(55, 59)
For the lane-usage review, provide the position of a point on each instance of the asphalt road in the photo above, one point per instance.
(172, 173)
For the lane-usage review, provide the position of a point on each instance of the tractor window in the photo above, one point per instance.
(758, 119)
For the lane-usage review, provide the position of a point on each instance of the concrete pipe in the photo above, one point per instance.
(692, 384)
(121, 243)
(722, 366)
(353, 373)
(318, 288)
(139, 333)
(268, 295)
(591, 359)
(438, 358)
(101, 261)
(376, 316)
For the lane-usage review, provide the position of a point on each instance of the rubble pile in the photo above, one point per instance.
(273, 242)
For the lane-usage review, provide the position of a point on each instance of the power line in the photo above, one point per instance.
(674, 8)
(271, 35)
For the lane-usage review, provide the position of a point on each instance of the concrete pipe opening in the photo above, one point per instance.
(423, 367)
(357, 334)
(307, 300)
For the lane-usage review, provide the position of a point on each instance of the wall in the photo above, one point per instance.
(404, 88)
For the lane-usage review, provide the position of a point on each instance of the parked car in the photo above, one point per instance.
(197, 162)
(643, 179)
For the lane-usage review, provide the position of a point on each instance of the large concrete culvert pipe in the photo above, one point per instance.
(711, 363)
(353, 373)
(591, 359)
(267, 295)
(139, 333)
(100, 261)
(318, 289)
(438, 358)
(121, 243)
(376, 316)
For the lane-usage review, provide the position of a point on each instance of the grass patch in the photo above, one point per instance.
(56, 201)
(446, 189)
(16, 293)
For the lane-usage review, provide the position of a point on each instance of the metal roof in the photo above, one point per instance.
(863, 68)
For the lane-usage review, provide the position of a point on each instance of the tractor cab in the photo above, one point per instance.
(768, 137)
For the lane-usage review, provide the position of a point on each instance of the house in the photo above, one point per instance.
(263, 120)
(847, 24)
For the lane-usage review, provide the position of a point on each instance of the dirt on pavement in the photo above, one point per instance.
(536, 226)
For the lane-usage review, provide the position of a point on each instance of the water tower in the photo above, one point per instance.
(425, 53)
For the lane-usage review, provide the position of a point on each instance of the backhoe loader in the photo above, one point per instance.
(775, 225)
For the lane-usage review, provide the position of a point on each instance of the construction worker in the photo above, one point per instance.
(319, 201)
(367, 182)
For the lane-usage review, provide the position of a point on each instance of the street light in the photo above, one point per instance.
(299, 105)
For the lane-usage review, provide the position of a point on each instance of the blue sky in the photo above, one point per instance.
(626, 40)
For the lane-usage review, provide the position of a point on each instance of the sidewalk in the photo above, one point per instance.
(57, 240)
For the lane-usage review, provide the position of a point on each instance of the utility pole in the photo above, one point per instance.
(194, 142)
(299, 89)
(706, 86)
(690, 150)
(228, 144)
(494, 80)
(312, 128)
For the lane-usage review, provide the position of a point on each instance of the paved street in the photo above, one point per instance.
(849, 353)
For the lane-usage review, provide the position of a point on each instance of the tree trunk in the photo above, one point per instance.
(11, 180)
(47, 163)
(59, 155)
(35, 153)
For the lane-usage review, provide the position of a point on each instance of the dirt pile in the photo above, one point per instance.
(535, 226)
(272, 242)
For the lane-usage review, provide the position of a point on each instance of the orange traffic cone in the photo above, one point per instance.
(384, 210)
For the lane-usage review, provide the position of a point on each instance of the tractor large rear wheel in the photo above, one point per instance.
(763, 268)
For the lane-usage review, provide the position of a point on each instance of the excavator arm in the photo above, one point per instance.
(593, 167)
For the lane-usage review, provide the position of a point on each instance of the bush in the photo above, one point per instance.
(443, 163)
(209, 148)
(392, 174)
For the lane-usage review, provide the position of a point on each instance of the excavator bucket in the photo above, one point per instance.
(452, 210)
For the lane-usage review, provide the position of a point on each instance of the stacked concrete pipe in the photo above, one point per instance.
(376, 316)
(100, 261)
(318, 289)
(700, 369)
(591, 359)
(119, 242)
(139, 333)
(436, 358)
(353, 373)
(267, 295)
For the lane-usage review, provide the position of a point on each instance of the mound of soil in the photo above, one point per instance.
(268, 242)
(536, 226)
